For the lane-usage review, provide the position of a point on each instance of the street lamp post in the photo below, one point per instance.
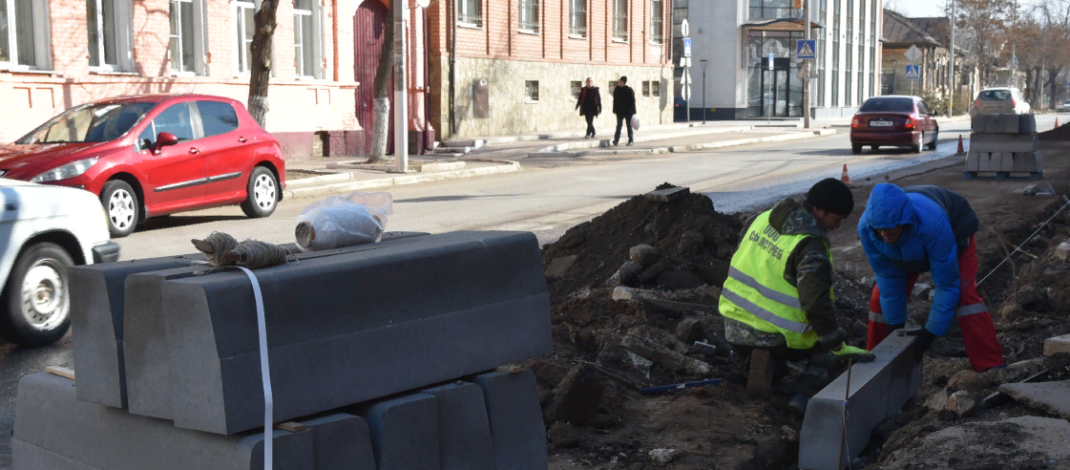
(951, 67)
(705, 63)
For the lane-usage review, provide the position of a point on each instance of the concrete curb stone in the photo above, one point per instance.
(516, 423)
(463, 427)
(404, 432)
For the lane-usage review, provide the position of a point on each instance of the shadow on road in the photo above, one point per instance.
(160, 223)
(453, 198)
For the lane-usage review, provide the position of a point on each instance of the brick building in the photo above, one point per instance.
(520, 63)
(55, 54)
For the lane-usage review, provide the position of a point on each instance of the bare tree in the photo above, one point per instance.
(381, 90)
(260, 60)
(983, 28)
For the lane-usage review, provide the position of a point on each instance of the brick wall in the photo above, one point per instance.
(297, 105)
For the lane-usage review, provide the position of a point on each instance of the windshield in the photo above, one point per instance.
(90, 123)
(995, 95)
(888, 105)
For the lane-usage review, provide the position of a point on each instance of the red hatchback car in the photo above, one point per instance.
(894, 121)
(155, 155)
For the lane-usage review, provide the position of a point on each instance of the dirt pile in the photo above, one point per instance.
(1058, 134)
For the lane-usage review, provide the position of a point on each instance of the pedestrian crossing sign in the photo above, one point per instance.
(913, 72)
(805, 49)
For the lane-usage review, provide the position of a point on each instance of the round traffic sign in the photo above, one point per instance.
(685, 28)
(423, 3)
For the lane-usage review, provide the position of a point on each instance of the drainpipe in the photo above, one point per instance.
(453, 67)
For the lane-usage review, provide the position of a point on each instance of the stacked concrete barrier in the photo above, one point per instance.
(371, 349)
(1004, 144)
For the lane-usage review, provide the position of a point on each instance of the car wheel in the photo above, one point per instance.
(917, 147)
(37, 297)
(262, 194)
(936, 136)
(856, 148)
(121, 205)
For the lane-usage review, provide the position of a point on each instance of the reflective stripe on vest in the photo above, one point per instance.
(756, 292)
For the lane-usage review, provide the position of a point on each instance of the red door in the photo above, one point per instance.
(369, 28)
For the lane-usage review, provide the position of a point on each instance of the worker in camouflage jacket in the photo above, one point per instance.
(779, 292)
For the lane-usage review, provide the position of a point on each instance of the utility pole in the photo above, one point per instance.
(401, 105)
(806, 66)
(951, 68)
(705, 63)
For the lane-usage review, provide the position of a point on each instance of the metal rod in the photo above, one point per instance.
(951, 67)
(1019, 247)
(806, 66)
(846, 397)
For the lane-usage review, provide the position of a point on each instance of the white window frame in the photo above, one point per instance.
(467, 9)
(123, 33)
(657, 31)
(627, 20)
(313, 39)
(41, 37)
(199, 20)
(577, 11)
(242, 63)
(524, 7)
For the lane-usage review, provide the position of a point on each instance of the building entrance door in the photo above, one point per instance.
(775, 90)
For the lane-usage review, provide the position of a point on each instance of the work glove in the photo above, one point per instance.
(852, 353)
(924, 341)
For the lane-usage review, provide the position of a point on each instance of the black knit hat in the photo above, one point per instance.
(832, 195)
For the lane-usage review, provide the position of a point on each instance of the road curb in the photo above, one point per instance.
(504, 166)
(576, 134)
(587, 144)
(694, 147)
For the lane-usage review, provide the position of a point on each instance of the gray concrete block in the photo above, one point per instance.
(404, 432)
(49, 416)
(1052, 397)
(1007, 123)
(341, 441)
(973, 161)
(515, 419)
(977, 124)
(878, 389)
(30, 457)
(1027, 124)
(444, 306)
(1003, 143)
(465, 441)
(98, 293)
(1006, 160)
(1056, 345)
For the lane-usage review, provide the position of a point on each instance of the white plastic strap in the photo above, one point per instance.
(265, 372)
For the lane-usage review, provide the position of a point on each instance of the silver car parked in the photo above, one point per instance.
(999, 101)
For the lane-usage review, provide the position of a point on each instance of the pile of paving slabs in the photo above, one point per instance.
(1004, 143)
(382, 356)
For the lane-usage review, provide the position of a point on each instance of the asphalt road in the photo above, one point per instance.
(546, 201)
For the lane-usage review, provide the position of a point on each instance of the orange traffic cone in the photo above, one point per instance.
(1056, 122)
(962, 150)
(843, 177)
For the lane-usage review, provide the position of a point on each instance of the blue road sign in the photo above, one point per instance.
(687, 47)
(806, 49)
(913, 72)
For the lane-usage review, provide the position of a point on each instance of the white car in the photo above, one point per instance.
(44, 230)
(999, 100)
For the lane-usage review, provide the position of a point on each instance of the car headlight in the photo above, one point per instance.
(69, 170)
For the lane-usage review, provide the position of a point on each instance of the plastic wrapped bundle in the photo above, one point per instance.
(341, 221)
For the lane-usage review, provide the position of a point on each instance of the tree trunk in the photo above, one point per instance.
(381, 90)
(260, 61)
(1053, 75)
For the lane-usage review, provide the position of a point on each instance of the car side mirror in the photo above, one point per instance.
(164, 139)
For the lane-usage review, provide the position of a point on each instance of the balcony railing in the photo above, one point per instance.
(775, 13)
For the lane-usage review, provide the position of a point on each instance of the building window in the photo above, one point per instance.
(100, 20)
(655, 89)
(657, 21)
(470, 13)
(182, 36)
(246, 27)
(646, 88)
(305, 43)
(24, 34)
(774, 9)
(531, 91)
(577, 87)
(620, 20)
(577, 18)
(835, 88)
(529, 16)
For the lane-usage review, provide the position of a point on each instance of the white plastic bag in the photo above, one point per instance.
(341, 221)
(635, 122)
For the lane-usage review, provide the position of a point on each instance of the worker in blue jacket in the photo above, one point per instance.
(909, 231)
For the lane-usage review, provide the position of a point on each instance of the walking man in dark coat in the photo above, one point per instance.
(590, 105)
(624, 108)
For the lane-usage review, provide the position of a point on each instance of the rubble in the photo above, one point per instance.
(962, 403)
(1056, 345)
(645, 255)
(662, 456)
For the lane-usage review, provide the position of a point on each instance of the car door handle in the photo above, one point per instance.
(242, 139)
(194, 150)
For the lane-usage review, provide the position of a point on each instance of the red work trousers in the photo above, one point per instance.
(978, 331)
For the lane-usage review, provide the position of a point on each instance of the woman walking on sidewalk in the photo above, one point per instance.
(590, 106)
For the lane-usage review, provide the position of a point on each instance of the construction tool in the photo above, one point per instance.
(1019, 247)
(679, 386)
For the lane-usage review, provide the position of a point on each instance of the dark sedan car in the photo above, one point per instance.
(894, 121)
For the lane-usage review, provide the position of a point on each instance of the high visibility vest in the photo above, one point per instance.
(756, 292)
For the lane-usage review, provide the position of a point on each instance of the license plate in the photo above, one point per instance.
(881, 123)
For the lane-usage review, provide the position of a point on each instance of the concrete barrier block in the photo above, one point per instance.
(515, 419)
(49, 416)
(1027, 124)
(977, 124)
(404, 432)
(1004, 143)
(98, 293)
(878, 389)
(986, 162)
(973, 161)
(463, 427)
(1007, 123)
(479, 301)
(1006, 161)
(341, 441)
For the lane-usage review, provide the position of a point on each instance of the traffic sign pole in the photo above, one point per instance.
(806, 79)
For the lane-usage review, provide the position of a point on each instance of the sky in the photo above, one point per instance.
(917, 8)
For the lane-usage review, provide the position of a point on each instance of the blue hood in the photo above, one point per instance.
(889, 207)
